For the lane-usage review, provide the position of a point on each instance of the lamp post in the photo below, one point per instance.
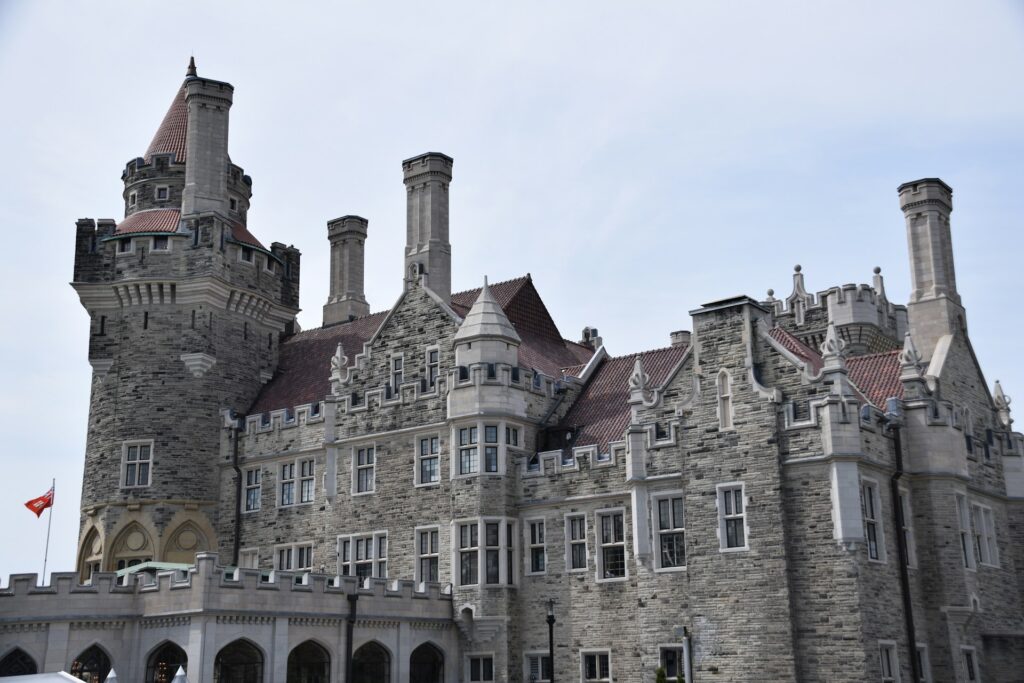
(551, 640)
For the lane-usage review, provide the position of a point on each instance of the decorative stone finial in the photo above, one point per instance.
(339, 369)
(638, 389)
(878, 283)
(833, 345)
(909, 355)
(771, 295)
(1002, 402)
(797, 268)
(191, 72)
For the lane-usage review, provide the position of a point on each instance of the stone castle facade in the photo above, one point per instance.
(817, 488)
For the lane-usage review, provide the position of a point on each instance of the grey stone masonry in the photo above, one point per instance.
(427, 249)
(346, 300)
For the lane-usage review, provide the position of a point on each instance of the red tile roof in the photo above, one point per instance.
(170, 136)
(601, 412)
(877, 376)
(797, 348)
(302, 375)
(304, 368)
(151, 220)
(241, 234)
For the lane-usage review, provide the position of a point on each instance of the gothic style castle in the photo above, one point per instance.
(819, 488)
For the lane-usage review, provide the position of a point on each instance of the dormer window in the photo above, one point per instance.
(161, 243)
(124, 246)
(163, 193)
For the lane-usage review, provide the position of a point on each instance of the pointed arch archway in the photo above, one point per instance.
(91, 665)
(133, 545)
(90, 555)
(17, 662)
(371, 663)
(239, 662)
(309, 662)
(163, 662)
(426, 664)
(184, 542)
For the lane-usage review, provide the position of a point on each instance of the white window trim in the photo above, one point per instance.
(455, 461)
(883, 556)
(246, 487)
(131, 246)
(662, 495)
(720, 512)
(295, 555)
(599, 546)
(567, 526)
(504, 580)
(729, 424)
(989, 540)
(246, 551)
(896, 669)
(296, 479)
(241, 250)
(925, 661)
(494, 667)
(596, 651)
(908, 524)
(374, 561)
(417, 457)
(528, 546)
(963, 662)
(156, 193)
(152, 243)
(962, 509)
(299, 479)
(683, 650)
(133, 199)
(426, 368)
(124, 463)
(541, 654)
(417, 574)
(269, 264)
(356, 468)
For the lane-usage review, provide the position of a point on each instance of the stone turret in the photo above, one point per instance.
(427, 249)
(346, 300)
(934, 307)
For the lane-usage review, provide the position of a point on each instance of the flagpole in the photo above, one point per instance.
(49, 521)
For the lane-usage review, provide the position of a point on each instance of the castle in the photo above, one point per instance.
(816, 488)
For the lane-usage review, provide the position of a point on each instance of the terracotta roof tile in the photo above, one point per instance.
(797, 348)
(170, 136)
(877, 376)
(601, 412)
(240, 233)
(151, 220)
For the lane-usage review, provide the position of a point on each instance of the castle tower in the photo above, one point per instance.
(346, 299)
(934, 308)
(427, 249)
(186, 308)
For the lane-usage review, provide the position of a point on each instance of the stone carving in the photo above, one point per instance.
(1002, 402)
(339, 370)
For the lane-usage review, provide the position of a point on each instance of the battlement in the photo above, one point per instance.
(210, 587)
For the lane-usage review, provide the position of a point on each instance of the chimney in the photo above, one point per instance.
(427, 249)
(346, 300)
(206, 145)
(591, 338)
(934, 308)
(680, 337)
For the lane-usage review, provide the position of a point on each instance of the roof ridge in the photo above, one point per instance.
(335, 326)
(521, 279)
(872, 355)
(631, 356)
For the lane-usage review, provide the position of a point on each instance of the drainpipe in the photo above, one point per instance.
(237, 540)
(894, 422)
(350, 626)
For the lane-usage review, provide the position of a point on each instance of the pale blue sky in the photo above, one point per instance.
(638, 159)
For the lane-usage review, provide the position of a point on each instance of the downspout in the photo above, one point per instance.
(236, 542)
(350, 625)
(894, 422)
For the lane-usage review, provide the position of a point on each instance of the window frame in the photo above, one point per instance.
(984, 545)
(256, 487)
(924, 663)
(430, 455)
(249, 552)
(125, 463)
(420, 556)
(295, 549)
(962, 509)
(374, 560)
(679, 648)
(871, 485)
(658, 532)
(121, 242)
(507, 549)
(889, 646)
(396, 375)
(907, 514)
(282, 480)
(570, 541)
(724, 407)
(598, 653)
(432, 378)
(156, 193)
(600, 545)
(966, 650)
(303, 478)
(469, 657)
(162, 250)
(540, 655)
(356, 468)
(723, 535)
(530, 545)
(243, 251)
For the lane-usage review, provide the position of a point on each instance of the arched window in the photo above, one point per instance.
(426, 664)
(164, 663)
(238, 662)
(724, 384)
(92, 665)
(91, 554)
(309, 663)
(17, 663)
(371, 663)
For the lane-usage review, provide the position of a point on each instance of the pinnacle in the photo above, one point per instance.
(191, 72)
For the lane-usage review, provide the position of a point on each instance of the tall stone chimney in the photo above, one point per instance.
(346, 300)
(206, 145)
(934, 308)
(427, 249)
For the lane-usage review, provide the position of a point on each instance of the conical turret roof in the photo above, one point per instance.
(170, 136)
(486, 319)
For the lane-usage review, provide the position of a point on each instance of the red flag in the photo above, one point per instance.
(37, 505)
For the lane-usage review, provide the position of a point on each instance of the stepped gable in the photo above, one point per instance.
(601, 413)
(150, 220)
(798, 348)
(303, 372)
(542, 347)
(877, 376)
(170, 136)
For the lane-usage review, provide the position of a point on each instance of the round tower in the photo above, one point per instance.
(186, 307)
